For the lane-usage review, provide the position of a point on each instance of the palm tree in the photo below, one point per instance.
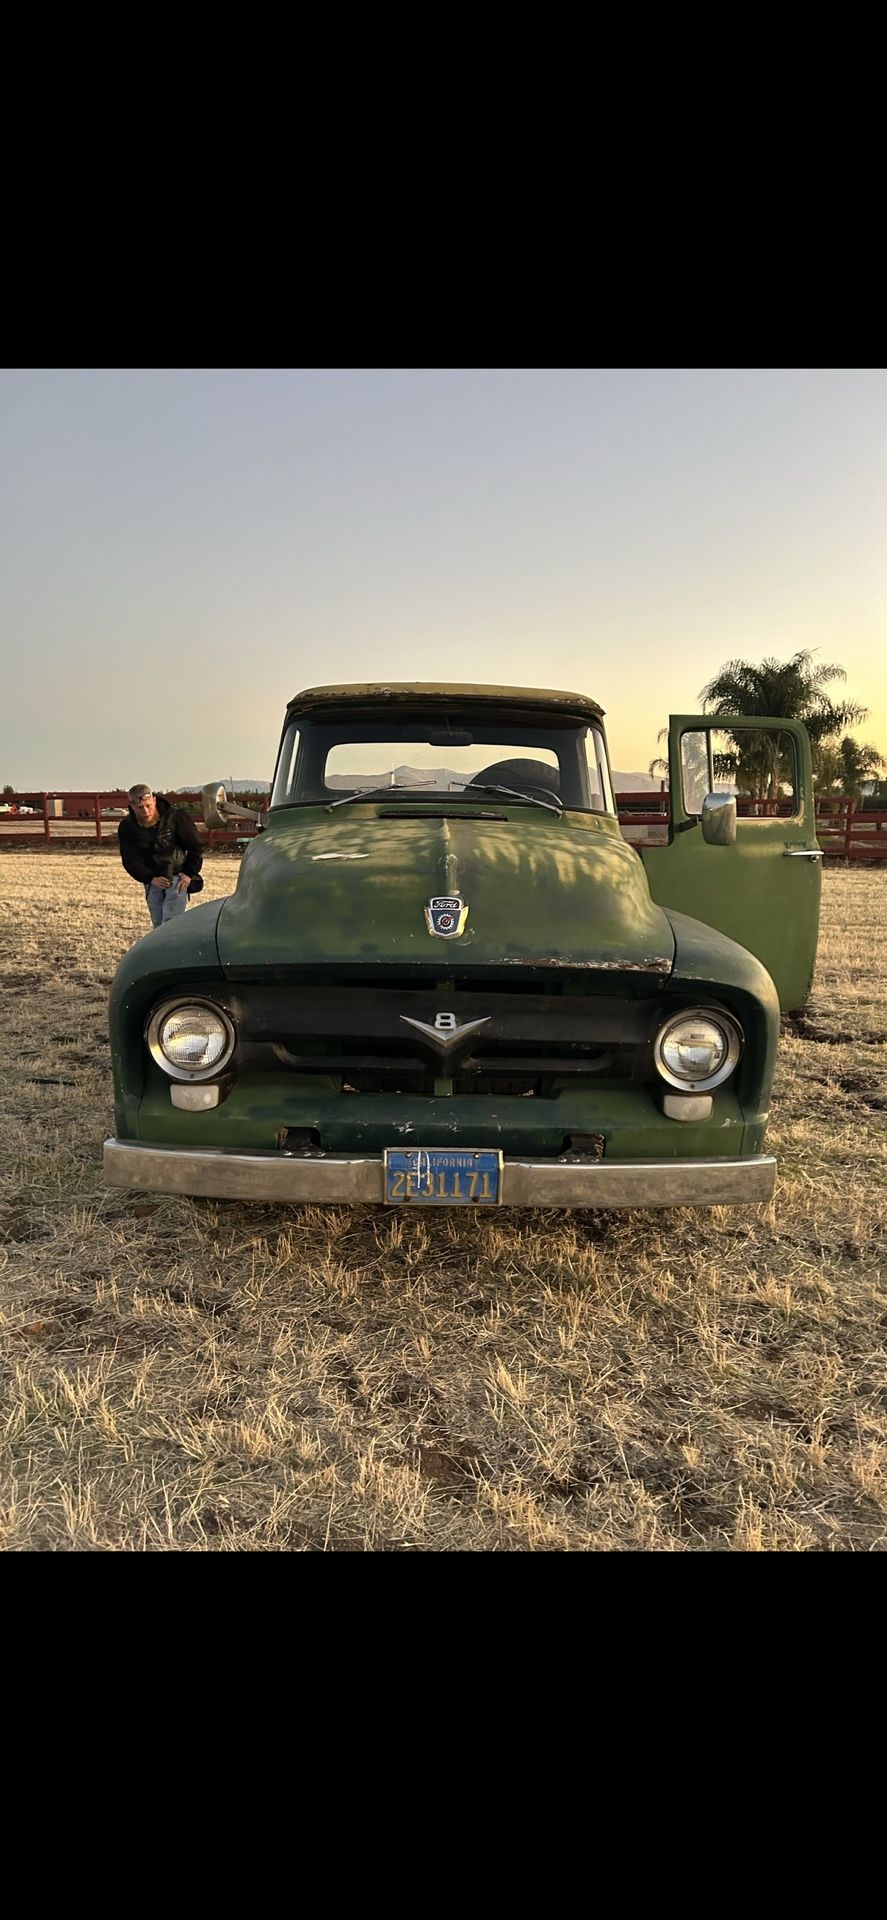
(857, 765)
(792, 689)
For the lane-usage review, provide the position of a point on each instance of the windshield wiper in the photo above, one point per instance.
(529, 798)
(439, 794)
(366, 793)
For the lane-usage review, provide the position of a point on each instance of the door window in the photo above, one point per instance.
(757, 764)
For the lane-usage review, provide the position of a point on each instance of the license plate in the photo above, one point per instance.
(443, 1176)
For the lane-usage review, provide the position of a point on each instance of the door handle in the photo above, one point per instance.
(803, 853)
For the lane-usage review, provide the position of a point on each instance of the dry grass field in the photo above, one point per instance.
(206, 1376)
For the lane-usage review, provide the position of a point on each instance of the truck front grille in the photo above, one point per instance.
(366, 1038)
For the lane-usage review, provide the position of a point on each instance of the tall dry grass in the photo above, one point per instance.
(202, 1375)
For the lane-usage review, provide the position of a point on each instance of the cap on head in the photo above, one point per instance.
(140, 791)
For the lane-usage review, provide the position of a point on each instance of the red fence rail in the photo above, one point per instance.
(848, 832)
(844, 830)
(74, 817)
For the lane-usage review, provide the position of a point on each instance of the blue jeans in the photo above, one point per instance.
(165, 903)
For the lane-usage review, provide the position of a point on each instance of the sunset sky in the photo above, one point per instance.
(181, 551)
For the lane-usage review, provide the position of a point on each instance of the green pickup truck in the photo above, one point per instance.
(446, 978)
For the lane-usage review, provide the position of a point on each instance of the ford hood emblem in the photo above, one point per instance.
(445, 916)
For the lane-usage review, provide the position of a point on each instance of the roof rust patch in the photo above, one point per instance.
(418, 692)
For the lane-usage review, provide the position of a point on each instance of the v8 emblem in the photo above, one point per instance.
(447, 1031)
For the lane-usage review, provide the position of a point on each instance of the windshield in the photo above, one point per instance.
(439, 756)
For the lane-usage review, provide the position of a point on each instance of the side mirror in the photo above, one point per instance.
(719, 819)
(218, 810)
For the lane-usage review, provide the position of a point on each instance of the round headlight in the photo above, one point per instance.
(190, 1040)
(697, 1050)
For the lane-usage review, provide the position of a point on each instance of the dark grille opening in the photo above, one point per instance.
(578, 1147)
(480, 1084)
(516, 1042)
(303, 1140)
(551, 1060)
(390, 1070)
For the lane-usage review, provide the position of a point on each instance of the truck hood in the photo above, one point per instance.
(319, 890)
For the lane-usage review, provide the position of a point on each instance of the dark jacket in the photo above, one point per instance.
(171, 846)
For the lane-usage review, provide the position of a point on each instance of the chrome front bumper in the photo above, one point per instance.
(340, 1178)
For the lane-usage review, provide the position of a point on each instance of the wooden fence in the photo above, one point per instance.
(42, 816)
(844, 830)
(848, 832)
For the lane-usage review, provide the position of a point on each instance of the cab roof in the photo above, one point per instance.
(434, 693)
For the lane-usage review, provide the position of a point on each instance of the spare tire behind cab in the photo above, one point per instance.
(526, 776)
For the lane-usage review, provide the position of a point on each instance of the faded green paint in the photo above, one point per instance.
(758, 891)
(321, 888)
(343, 892)
(709, 969)
(178, 958)
(628, 1116)
(181, 959)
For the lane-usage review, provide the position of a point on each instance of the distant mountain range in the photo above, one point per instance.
(442, 777)
(230, 786)
(437, 777)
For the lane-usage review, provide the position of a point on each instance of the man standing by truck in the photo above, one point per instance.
(160, 846)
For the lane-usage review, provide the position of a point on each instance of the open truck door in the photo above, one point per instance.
(748, 865)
